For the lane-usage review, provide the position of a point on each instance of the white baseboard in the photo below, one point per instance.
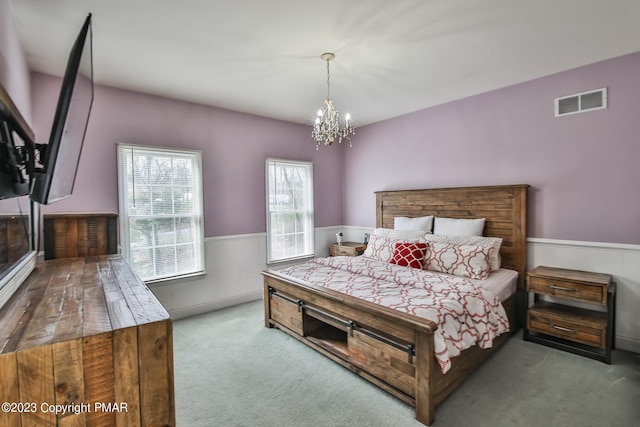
(205, 307)
(628, 344)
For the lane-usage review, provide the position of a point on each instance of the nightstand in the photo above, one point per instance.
(347, 249)
(586, 328)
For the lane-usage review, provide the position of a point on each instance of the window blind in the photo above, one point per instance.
(161, 210)
(290, 213)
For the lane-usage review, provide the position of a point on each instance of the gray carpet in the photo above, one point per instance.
(232, 371)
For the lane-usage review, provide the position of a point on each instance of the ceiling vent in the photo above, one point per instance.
(581, 102)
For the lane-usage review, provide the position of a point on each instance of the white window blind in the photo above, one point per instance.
(161, 213)
(290, 228)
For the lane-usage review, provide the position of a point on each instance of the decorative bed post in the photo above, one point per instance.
(425, 363)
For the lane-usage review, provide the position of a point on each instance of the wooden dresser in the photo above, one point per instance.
(83, 341)
(586, 328)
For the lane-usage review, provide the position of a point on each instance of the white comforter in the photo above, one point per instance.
(466, 314)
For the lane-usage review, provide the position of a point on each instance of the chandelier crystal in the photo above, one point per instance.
(327, 129)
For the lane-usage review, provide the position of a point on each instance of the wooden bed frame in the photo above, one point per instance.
(392, 349)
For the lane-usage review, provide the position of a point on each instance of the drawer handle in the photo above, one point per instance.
(562, 288)
(573, 331)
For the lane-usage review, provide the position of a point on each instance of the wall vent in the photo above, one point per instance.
(581, 102)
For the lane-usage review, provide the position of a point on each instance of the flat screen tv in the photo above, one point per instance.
(59, 159)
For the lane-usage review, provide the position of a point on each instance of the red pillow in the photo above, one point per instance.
(409, 254)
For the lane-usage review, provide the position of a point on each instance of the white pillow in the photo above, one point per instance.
(405, 235)
(424, 223)
(380, 248)
(460, 260)
(458, 226)
(493, 243)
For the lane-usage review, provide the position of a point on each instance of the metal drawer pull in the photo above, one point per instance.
(273, 292)
(327, 316)
(573, 331)
(562, 288)
(408, 348)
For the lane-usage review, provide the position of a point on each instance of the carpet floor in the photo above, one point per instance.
(232, 371)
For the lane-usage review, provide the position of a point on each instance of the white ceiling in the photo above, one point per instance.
(263, 56)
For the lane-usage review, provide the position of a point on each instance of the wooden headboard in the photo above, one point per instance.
(504, 208)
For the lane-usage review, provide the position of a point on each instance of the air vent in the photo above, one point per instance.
(582, 102)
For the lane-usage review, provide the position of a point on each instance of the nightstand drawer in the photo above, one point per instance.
(347, 249)
(566, 289)
(337, 250)
(557, 322)
(570, 323)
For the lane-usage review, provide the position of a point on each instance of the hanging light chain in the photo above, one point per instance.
(328, 80)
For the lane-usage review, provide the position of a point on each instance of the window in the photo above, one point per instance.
(161, 215)
(289, 209)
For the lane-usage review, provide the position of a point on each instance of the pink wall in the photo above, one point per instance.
(583, 169)
(14, 74)
(234, 148)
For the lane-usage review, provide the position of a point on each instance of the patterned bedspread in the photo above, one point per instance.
(465, 314)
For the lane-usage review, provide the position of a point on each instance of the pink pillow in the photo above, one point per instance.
(409, 254)
(460, 260)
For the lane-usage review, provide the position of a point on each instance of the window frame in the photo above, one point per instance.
(310, 212)
(194, 156)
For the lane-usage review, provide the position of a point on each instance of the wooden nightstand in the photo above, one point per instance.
(586, 328)
(347, 249)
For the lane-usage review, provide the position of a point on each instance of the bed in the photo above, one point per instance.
(396, 349)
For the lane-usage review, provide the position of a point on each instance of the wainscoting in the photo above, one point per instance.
(234, 263)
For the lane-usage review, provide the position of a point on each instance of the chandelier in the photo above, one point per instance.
(327, 128)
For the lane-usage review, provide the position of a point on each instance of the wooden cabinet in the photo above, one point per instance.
(80, 234)
(347, 249)
(88, 335)
(573, 311)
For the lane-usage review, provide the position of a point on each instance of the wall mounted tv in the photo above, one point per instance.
(54, 179)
